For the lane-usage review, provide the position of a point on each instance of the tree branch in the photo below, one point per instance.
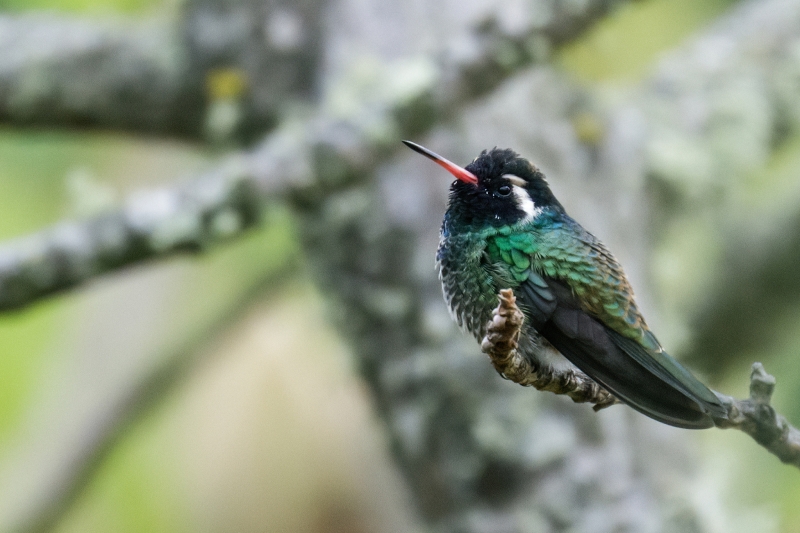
(187, 218)
(198, 78)
(56, 70)
(60, 71)
(754, 415)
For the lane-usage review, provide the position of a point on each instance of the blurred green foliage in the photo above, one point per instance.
(82, 6)
(24, 338)
(624, 45)
(136, 490)
(31, 178)
(31, 196)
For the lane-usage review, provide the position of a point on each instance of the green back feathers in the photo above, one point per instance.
(570, 254)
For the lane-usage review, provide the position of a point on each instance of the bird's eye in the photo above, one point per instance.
(504, 190)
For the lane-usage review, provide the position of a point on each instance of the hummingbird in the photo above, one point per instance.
(504, 228)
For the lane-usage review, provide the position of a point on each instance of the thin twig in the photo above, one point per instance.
(756, 417)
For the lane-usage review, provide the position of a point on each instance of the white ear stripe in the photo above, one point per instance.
(524, 201)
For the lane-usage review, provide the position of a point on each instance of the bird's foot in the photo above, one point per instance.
(501, 343)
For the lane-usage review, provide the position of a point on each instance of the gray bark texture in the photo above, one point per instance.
(60, 71)
(224, 74)
(186, 218)
(480, 454)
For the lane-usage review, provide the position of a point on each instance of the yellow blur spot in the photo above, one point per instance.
(588, 128)
(225, 83)
(624, 45)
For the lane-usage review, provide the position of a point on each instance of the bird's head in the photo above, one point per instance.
(498, 188)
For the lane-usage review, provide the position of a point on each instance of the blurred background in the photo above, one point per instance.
(218, 304)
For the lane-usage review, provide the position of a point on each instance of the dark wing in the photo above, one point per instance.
(650, 381)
